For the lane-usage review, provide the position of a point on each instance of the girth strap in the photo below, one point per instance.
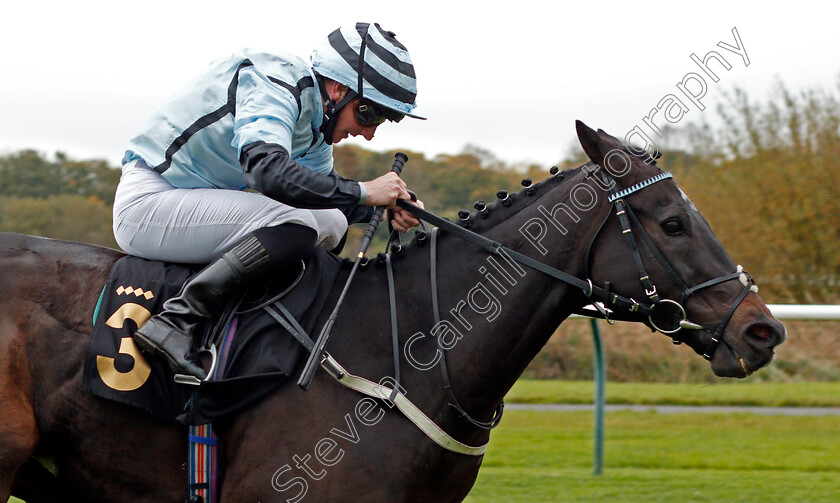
(203, 461)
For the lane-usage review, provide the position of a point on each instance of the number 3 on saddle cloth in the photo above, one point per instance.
(260, 356)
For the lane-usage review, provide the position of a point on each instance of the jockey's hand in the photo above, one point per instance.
(403, 220)
(385, 190)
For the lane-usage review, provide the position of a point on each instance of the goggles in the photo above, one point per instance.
(370, 115)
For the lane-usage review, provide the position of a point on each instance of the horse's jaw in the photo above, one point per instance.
(727, 363)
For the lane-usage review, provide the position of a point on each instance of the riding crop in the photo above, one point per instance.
(317, 356)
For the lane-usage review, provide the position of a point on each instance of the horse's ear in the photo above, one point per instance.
(591, 142)
(608, 136)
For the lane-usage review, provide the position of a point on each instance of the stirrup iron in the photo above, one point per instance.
(192, 380)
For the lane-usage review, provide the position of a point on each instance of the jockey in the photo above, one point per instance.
(265, 122)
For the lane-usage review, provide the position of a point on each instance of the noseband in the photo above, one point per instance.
(659, 310)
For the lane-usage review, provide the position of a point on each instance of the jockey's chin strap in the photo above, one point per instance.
(332, 110)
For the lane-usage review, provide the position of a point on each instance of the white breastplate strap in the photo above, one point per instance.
(411, 411)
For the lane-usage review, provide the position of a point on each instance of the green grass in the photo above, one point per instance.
(650, 457)
(790, 394)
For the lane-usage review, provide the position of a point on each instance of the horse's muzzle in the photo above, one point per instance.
(761, 338)
(752, 349)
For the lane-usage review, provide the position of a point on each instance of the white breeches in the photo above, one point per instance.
(154, 220)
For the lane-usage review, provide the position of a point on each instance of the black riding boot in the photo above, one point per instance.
(171, 332)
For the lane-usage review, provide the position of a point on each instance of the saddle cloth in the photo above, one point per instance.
(262, 355)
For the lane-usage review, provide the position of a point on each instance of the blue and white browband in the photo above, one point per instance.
(639, 186)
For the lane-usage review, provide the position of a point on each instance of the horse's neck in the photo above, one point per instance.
(504, 312)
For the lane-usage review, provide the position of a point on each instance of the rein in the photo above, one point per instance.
(496, 248)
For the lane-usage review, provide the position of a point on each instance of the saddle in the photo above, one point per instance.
(254, 353)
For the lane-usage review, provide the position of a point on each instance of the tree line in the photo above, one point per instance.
(765, 176)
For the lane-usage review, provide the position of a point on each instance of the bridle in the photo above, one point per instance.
(657, 312)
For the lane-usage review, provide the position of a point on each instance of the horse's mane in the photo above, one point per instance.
(497, 212)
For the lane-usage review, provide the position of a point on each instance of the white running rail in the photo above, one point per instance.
(814, 312)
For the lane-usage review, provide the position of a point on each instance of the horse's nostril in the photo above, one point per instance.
(761, 331)
(768, 334)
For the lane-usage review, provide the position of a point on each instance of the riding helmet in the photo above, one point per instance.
(373, 64)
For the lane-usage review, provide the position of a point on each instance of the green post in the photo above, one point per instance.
(600, 380)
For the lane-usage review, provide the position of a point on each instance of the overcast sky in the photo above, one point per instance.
(510, 77)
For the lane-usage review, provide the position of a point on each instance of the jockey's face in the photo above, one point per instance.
(347, 124)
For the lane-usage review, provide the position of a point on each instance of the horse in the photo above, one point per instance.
(332, 444)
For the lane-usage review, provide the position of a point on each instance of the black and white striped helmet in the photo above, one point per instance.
(371, 62)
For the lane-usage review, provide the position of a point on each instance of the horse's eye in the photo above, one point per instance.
(673, 227)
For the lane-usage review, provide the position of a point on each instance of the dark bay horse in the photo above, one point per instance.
(328, 444)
